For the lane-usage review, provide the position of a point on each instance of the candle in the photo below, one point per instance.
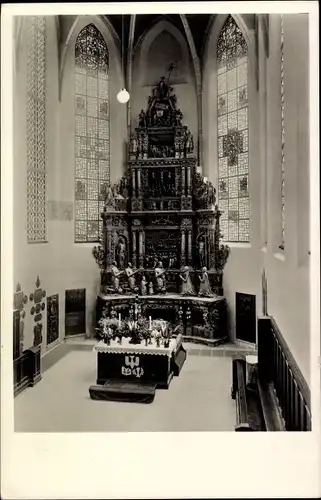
(119, 319)
(150, 322)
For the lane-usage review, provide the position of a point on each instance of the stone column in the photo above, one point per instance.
(188, 171)
(183, 181)
(183, 246)
(140, 249)
(189, 247)
(210, 249)
(134, 181)
(134, 249)
(138, 182)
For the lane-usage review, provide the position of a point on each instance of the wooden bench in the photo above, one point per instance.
(278, 399)
(257, 407)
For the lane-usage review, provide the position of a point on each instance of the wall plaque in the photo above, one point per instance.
(52, 318)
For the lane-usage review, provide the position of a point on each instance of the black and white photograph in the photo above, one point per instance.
(162, 236)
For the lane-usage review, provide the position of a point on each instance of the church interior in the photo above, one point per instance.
(162, 217)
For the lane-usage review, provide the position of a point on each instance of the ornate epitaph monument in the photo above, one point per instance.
(161, 234)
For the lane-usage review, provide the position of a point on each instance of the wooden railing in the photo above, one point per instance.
(278, 369)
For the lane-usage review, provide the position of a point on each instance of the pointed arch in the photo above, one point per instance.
(109, 34)
(145, 42)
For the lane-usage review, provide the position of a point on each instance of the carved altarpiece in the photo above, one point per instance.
(162, 209)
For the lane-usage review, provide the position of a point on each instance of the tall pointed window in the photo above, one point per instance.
(282, 138)
(36, 129)
(233, 133)
(92, 174)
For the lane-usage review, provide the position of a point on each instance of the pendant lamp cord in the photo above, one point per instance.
(122, 49)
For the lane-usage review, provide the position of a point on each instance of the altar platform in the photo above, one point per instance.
(199, 319)
(132, 372)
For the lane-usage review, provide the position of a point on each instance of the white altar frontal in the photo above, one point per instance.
(129, 372)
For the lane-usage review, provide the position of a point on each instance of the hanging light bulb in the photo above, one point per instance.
(123, 96)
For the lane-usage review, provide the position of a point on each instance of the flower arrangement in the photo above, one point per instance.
(144, 329)
(157, 336)
(106, 332)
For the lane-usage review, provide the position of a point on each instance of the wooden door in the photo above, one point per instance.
(245, 317)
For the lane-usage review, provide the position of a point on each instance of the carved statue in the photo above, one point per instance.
(121, 253)
(178, 117)
(143, 286)
(201, 252)
(210, 194)
(205, 287)
(223, 253)
(133, 143)
(115, 277)
(142, 119)
(160, 277)
(162, 90)
(150, 288)
(109, 201)
(131, 277)
(186, 286)
(99, 255)
(123, 189)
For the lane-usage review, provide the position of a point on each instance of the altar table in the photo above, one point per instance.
(140, 363)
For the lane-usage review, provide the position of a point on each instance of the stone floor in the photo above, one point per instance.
(198, 400)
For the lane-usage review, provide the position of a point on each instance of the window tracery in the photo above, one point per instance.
(92, 169)
(36, 129)
(233, 133)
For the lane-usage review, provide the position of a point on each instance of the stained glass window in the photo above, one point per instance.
(36, 129)
(92, 174)
(233, 133)
(282, 137)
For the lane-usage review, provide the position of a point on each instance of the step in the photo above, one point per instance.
(129, 392)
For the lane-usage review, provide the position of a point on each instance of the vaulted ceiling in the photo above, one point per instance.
(199, 25)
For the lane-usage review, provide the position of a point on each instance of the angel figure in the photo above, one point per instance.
(160, 277)
(186, 287)
(115, 277)
(205, 287)
(131, 277)
(143, 286)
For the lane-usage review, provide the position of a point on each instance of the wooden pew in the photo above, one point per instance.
(278, 370)
(279, 398)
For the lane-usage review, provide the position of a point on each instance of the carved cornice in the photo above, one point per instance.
(161, 162)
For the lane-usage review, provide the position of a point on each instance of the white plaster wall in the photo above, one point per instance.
(287, 272)
(31, 260)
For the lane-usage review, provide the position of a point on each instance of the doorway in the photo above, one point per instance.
(245, 308)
